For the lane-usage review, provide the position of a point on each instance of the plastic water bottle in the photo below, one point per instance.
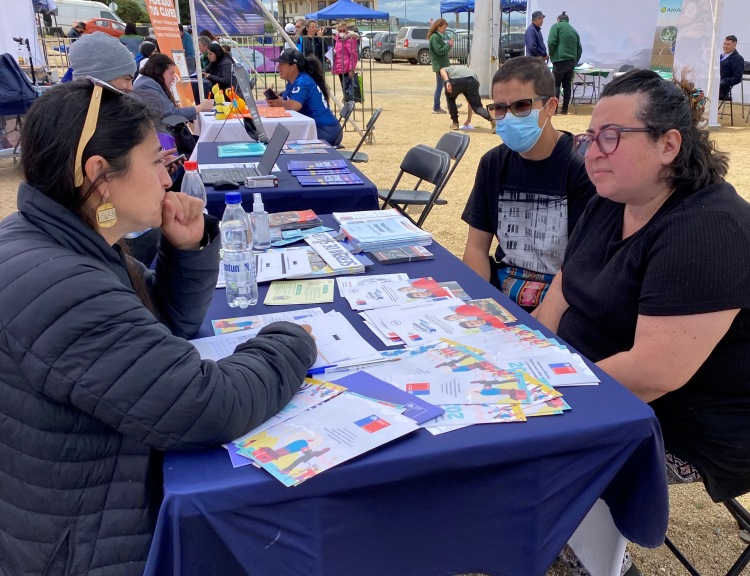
(259, 222)
(239, 261)
(192, 185)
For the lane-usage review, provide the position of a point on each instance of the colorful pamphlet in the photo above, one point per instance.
(325, 436)
(411, 406)
(330, 180)
(403, 254)
(320, 172)
(294, 219)
(394, 293)
(364, 215)
(335, 254)
(463, 414)
(255, 323)
(316, 164)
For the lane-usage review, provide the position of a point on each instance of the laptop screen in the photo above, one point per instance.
(243, 81)
(273, 149)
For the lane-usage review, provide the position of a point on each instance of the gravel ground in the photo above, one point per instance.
(703, 530)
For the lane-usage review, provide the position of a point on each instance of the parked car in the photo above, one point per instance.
(383, 45)
(412, 45)
(111, 27)
(511, 45)
(365, 39)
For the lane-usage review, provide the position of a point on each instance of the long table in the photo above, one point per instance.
(290, 195)
(497, 499)
(210, 129)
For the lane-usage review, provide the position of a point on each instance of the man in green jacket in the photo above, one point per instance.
(564, 45)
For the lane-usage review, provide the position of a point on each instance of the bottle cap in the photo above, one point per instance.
(191, 165)
(257, 202)
(233, 198)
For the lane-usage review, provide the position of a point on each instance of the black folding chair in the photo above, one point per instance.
(455, 145)
(723, 104)
(742, 516)
(355, 155)
(428, 164)
(344, 114)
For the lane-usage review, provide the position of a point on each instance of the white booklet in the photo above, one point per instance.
(325, 436)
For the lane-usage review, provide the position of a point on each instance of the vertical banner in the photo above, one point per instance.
(164, 19)
(699, 48)
(665, 38)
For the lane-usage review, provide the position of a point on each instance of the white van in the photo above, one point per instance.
(69, 12)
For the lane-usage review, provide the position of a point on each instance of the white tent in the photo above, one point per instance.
(616, 33)
(19, 21)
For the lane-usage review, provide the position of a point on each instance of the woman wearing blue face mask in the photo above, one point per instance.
(529, 191)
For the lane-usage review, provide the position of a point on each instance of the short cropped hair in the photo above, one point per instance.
(527, 70)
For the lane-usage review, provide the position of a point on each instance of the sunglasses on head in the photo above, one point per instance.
(519, 108)
(89, 126)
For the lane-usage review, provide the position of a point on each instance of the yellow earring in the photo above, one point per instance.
(106, 215)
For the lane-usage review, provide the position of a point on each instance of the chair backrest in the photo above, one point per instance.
(344, 114)
(368, 128)
(428, 164)
(16, 91)
(626, 68)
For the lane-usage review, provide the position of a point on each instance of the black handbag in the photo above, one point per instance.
(177, 127)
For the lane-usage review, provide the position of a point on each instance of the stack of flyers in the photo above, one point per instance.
(311, 393)
(442, 320)
(338, 179)
(394, 293)
(331, 433)
(365, 215)
(346, 282)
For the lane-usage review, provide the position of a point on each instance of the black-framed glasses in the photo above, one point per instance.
(89, 126)
(607, 139)
(519, 108)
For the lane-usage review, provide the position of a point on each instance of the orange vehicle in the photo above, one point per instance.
(111, 27)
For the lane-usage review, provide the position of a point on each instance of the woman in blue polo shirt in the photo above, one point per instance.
(306, 92)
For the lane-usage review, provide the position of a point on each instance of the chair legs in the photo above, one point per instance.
(722, 108)
(742, 516)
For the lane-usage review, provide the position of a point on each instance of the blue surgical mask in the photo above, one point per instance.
(520, 134)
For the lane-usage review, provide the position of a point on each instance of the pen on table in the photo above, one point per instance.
(319, 369)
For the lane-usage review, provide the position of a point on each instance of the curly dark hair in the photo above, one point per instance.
(155, 67)
(675, 105)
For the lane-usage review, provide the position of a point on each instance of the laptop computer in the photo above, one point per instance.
(253, 125)
(237, 172)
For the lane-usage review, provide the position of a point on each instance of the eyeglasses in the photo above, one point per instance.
(519, 108)
(89, 126)
(608, 139)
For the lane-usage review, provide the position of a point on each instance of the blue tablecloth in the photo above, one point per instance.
(496, 499)
(290, 195)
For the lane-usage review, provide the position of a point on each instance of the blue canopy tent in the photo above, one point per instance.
(346, 9)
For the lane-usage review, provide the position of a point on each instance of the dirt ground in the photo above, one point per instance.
(703, 530)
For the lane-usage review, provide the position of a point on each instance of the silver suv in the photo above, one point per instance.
(412, 44)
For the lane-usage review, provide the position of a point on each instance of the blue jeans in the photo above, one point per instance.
(438, 91)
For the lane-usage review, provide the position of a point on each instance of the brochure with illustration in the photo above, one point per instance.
(483, 387)
(346, 282)
(311, 393)
(464, 414)
(255, 323)
(394, 293)
(319, 439)
(411, 406)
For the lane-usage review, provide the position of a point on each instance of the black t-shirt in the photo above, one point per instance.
(531, 206)
(692, 257)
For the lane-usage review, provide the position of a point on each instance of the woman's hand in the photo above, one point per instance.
(351, 73)
(182, 220)
(166, 156)
(275, 103)
(205, 106)
(205, 74)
